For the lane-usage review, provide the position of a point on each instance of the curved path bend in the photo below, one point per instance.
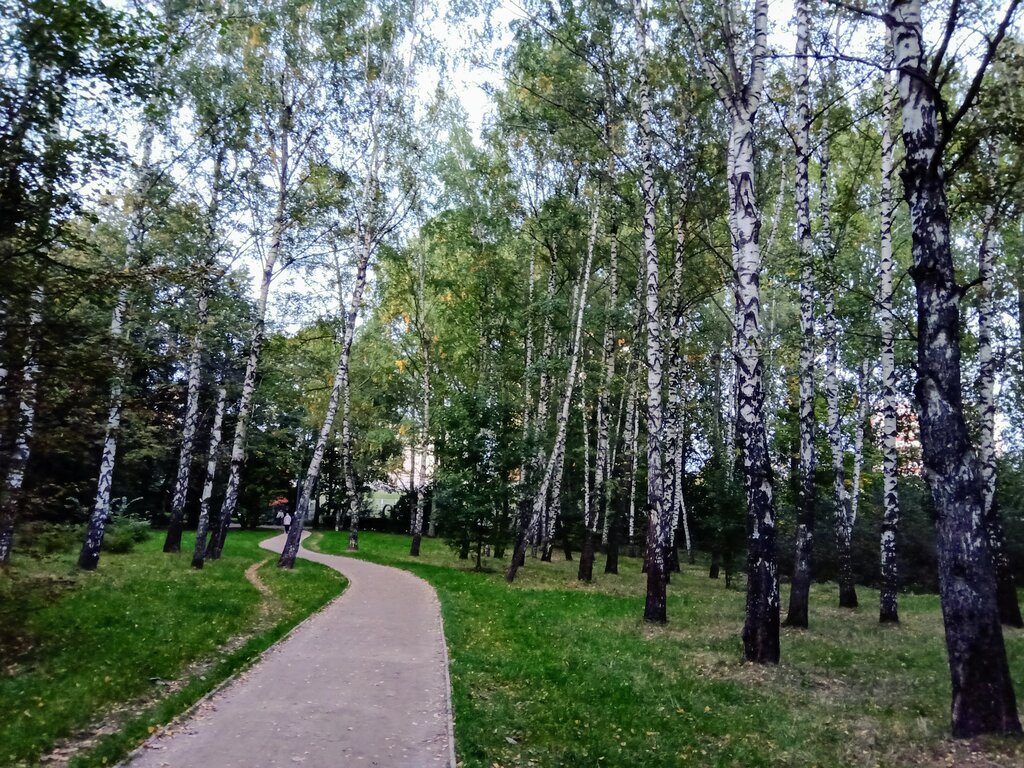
(364, 682)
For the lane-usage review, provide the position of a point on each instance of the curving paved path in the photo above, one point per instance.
(362, 683)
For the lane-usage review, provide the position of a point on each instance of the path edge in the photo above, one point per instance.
(233, 678)
(448, 706)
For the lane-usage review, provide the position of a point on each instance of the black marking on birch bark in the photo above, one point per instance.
(203, 526)
(888, 608)
(21, 447)
(807, 466)
(983, 699)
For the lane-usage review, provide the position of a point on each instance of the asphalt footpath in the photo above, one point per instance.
(364, 682)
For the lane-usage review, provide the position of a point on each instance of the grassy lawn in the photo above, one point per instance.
(136, 642)
(551, 672)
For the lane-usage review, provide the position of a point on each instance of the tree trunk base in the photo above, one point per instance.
(586, 569)
(847, 596)
(414, 548)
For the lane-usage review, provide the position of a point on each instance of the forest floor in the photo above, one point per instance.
(92, 663)
(553, 672)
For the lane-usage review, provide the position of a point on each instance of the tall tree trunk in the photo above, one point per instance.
(591, 506)
(742, 98)
(675, 456)
(246, 402)
(172, 543)
(554, 508)
(1006, 590)
(203, 526)
(425, 342)
(417, 532)
(21, 449)
(340, 389)
(983, 695)
(89, 557)
(548, 478)
(807, 466)
(841, 496)
(888, 601)
(658, 537)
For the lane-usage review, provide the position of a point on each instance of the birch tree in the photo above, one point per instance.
(741, 96)
(982, 691)
(21, 448)
(552, 471)
(1006, 589)
(89, 556)
(658, 535)
(807, 466)
(888, 607)
(203, 525)
(289, 124)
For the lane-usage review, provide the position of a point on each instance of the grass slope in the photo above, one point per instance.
(551, 672)
(75, 646)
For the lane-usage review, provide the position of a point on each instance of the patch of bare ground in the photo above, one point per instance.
(113, 719)
(975, 753)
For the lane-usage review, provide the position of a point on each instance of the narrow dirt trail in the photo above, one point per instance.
(362, 683)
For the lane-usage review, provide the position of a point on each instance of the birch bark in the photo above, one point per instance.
(425, 343)
(246, 401)
(21, 449)
(172, 543)
(658, 536)
(340, 388)
(807, 486)
(888, 601)
(89, 557)
(983, 698)
(203, 526)
(841, 495)
(1006, 589)
(548, 479)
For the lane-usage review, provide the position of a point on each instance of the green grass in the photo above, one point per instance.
(77, 646)
(551, 672)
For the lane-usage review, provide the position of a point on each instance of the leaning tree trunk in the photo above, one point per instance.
(554, 507)
(655, 605)
(89, 557)
(340, 387)
(841, 496)
(172, 543)
(203, 526)
(888, 605)
(799, 592)
(246, 402)
(548, 477)
(983, 698)
(22, 448)
(1006, 589)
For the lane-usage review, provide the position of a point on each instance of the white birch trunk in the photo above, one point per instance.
(203, 526)
(189, 426)
(1009, 608)
(246, 401)
(21, 449)
(888, 606)
(801, 582)
(983, 699)
(841, 495)
(658, 536)
(89, 557)
(548, 478)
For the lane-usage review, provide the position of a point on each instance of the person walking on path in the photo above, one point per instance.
(287, 521)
